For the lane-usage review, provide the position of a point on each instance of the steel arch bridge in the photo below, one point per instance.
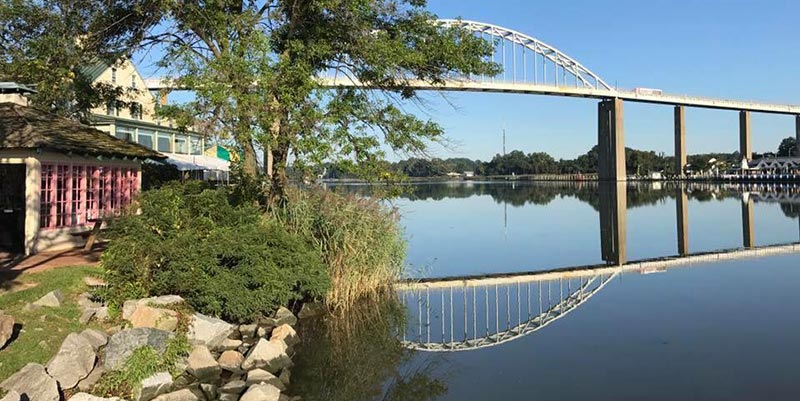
(465, 317)
(535, 56)
(531, 66)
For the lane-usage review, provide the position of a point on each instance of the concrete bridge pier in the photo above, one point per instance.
(682, 213)
(748, 229)
(611, 141)
(680, 140)
(745, 138)
(797, 133)
(613, 222)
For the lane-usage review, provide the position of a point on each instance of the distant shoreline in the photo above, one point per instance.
(578, 178)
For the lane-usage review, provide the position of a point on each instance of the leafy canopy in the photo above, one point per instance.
(45, 43)
(254, 65)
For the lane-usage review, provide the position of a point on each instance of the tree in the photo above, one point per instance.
(253, 67)
(47, 43)
(788, 147)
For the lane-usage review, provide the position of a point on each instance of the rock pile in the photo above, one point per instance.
(248, 362)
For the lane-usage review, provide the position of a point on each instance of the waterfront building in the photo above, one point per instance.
(58, 177)
(134, 119)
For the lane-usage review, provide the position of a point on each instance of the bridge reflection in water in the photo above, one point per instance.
(467, 313)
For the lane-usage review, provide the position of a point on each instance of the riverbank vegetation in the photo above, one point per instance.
(517, 162)
(226, 260)
(360, 240)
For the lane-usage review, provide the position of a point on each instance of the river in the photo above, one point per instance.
(575, 291)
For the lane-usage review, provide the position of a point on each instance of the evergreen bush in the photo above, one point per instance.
(226, 260)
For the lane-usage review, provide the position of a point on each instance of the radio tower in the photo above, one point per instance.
(504, 140)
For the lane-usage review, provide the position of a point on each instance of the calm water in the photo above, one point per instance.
(704, 331)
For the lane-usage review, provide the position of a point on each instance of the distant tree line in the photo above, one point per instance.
(517, 162)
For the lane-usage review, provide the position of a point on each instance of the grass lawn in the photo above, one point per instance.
(43, 329)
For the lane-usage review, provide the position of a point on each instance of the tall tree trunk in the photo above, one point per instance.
(249, 161)
(279, 180)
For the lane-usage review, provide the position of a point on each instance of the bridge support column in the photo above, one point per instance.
(611, 141)
(745, 144)
(680, 140)
(748, 232)
(797, 134)
(682, 213)
(613, 222)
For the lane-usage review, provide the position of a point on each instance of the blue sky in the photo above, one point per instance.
(732, 49)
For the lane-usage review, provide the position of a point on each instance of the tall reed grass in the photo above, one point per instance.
(361, 241)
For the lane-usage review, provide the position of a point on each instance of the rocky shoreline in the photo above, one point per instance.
(228, 362)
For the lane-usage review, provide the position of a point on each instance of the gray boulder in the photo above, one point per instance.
(248, 331)
(202, 364)
(258, 376)
(181, 395)
(267, 355)
(73, 362)
(52, 299)
(128, 307)
(261, 392)
(95, 337)
(208, 331)
(89, 397)
(286, 334)
(153, 386)
(88, 383)
(231, 361)
(233, 387)
(6, 328)
(229, 344)
(122, 344)
(284, 316)
(34, 383)
(311, 309)
(87, 315)
(156, 318)
(209, 390)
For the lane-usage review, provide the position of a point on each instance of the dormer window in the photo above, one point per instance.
(136, 111)
(113, 75)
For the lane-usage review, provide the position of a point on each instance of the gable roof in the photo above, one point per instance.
(95, 67)
(23, 127)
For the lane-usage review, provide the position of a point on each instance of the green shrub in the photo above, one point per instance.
(360, 239)
(226, 261)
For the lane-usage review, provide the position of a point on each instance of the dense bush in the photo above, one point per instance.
(227, 261)
(360, 239)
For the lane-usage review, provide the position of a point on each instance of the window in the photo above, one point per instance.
(195, 145)
(124, 133)
(136, 111)
(110, 108)
(180, 144)
(113, 75)
(133, 82)
(74, 193)
(46, 205)
(164, 142)
(145, 138)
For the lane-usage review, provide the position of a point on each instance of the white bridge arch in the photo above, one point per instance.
(527, 59)
(468, 317)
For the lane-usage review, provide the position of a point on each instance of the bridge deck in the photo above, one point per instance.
(643, 266)
(593, 93)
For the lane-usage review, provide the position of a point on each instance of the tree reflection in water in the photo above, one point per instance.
(356, 355)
